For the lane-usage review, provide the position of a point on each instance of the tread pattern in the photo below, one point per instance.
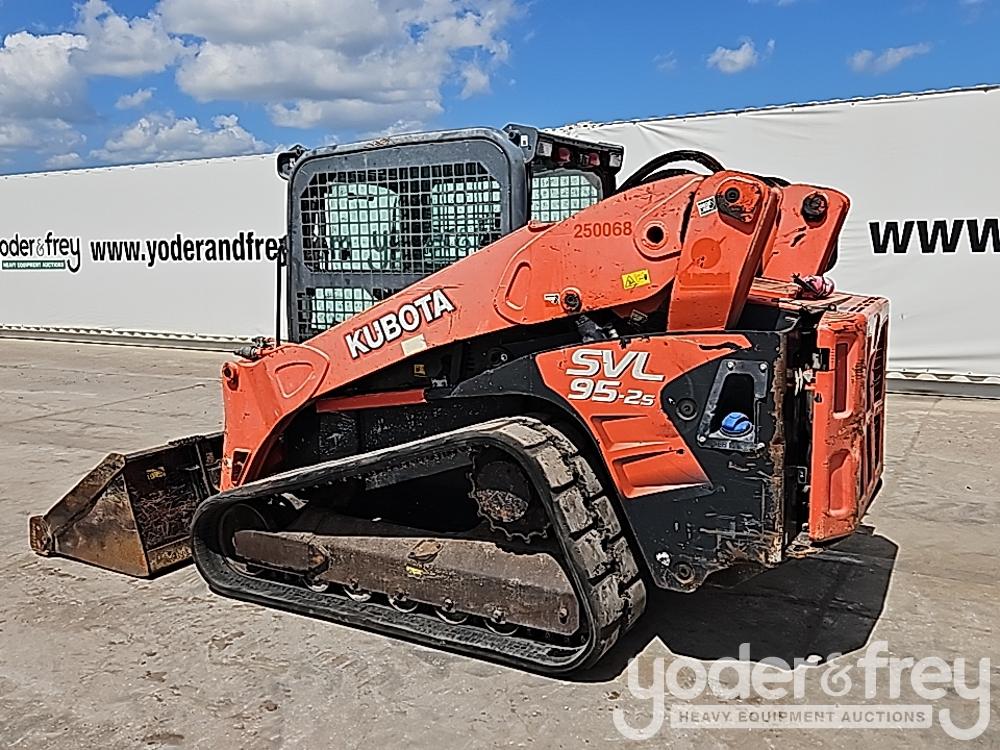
(599, 546)
(600, 557)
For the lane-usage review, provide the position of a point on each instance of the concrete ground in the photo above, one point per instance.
(90, 659)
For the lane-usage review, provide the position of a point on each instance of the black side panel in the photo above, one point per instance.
(740, 519)
(743, 517)
(313, 437)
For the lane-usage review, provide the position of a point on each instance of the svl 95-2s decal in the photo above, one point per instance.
(608, 389)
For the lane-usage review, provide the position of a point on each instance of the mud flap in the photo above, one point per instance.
(132, 513)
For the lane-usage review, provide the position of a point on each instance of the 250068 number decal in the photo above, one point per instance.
(604, 229)
(590, 362)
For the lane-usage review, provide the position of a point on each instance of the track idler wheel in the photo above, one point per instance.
(258, 516)
(237, 518)
(401, 603)
(320, 587)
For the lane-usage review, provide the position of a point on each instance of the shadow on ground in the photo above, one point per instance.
(824, 604)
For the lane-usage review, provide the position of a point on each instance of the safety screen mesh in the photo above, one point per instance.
(367, 223)
(408, 219)
(558, 195)
(323, 307)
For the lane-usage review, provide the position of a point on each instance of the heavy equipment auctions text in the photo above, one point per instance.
(53, 252)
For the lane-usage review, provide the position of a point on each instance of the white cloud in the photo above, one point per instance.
(40, 134)
(353, 113)
(119, 46)
(360, 24)
(43, 78)
(40, 93)
(37, 78)
(135, 99)
(371, 66)
(45, 75)
(64, 161)
(360, 64)
(738, 59)
(400, 126)
(476, 81)
(666, 62)
(165, 137)
(866, 61)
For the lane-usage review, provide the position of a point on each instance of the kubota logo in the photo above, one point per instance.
(409, 317)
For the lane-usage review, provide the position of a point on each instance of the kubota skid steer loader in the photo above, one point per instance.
(513, 394)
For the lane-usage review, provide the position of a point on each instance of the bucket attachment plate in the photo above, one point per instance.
(132, 513)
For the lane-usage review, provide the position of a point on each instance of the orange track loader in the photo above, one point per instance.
(514, 394)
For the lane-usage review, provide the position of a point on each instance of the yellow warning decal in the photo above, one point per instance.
(635, 279)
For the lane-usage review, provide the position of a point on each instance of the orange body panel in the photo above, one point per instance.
(802, 246)
(848, 416)
(694, 247)
(642, 449)
(621, 253)
(717, 265)
(675, 241)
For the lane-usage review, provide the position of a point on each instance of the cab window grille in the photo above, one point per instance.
(560, 194)
(323, 307)
(366, 223)
(408, 219)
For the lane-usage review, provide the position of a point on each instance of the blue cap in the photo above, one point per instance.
(736, 424)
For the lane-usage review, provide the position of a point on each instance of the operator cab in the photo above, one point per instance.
(368, 219)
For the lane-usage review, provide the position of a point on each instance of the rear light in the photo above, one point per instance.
(544, 148)
(563, 155)
(615, 160)
(593, 159)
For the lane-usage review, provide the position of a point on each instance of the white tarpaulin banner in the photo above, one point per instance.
(182, 247)
(923, 229)
(186, 247)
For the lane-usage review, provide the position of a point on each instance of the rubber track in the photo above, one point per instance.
(596, 552)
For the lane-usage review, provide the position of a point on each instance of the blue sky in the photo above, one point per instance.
(119, 81)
